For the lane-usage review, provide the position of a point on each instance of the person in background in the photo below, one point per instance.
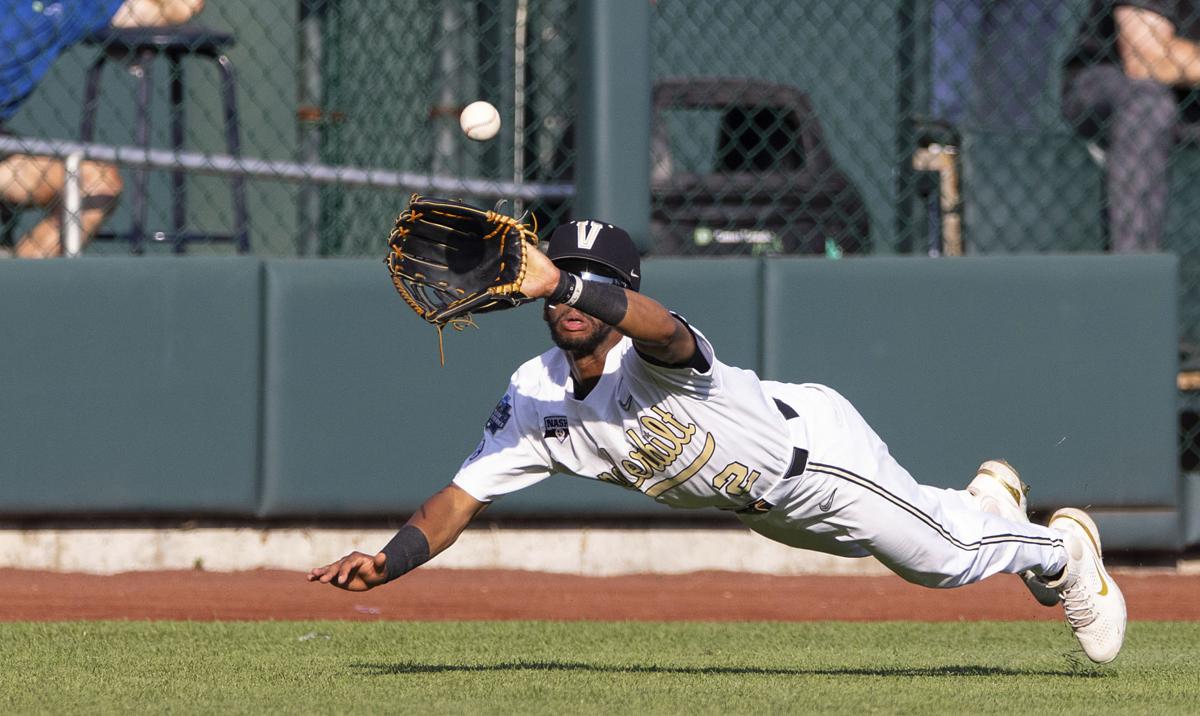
(33, 34)
(1127, 83)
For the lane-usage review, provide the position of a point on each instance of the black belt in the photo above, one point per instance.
(799, 462)
(799, 455)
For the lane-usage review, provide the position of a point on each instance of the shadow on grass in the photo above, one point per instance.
(371, 669)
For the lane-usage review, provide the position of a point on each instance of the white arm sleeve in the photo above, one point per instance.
(511, 456)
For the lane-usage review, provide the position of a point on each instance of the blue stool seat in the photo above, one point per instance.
(141, 47)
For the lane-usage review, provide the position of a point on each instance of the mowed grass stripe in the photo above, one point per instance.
(588, 667)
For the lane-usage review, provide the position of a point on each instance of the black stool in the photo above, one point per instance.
(142, 46)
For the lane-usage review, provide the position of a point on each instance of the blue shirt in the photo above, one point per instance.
(33, 33)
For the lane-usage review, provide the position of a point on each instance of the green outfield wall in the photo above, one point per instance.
(292, 388)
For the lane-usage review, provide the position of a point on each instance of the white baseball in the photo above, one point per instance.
(479, 121)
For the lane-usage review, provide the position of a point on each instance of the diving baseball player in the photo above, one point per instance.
(635, 396)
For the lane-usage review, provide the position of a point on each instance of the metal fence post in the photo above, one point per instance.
(72, 229)
(613, 162)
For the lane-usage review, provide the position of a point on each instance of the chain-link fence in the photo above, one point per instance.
(364, 84)
(826, 127)
(397, 105)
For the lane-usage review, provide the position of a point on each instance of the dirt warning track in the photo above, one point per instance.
(448, 594)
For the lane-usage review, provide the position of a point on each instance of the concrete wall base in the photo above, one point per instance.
(585, 551)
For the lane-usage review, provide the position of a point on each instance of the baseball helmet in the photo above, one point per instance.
(600, 247)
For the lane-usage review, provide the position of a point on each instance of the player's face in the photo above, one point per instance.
(575, 331)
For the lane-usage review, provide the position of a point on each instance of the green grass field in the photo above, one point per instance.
(588, 667)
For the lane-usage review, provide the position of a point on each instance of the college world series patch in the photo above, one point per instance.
(556, 427)
(500, 415)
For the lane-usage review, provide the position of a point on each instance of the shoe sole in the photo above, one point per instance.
(998, 470)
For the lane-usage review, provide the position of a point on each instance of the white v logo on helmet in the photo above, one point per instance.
(586, 233)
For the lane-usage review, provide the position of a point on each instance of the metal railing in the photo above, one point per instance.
(290, 172)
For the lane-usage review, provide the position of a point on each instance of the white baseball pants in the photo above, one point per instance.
(853, 499)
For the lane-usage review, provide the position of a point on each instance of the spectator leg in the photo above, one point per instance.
(1140, 141)
(38, 182)
(1137, 119)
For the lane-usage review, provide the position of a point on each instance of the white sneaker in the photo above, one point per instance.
(998, 489)
(1092, 601)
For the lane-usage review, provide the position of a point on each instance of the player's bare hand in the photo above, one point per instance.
(541, 276)
(356, 572)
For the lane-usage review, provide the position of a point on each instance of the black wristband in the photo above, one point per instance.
(605, 301)
(566, 287)
(405, 552)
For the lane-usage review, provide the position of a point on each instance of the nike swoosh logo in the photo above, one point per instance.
(1103, 581)
(827, 504)
(627, 403)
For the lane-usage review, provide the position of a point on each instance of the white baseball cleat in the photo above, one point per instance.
(998, 489)
(1092, 601)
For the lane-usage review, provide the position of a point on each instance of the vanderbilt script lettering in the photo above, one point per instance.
(656, 449)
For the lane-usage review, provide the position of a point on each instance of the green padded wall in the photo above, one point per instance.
(129, 385)
(1190, 511)
(306, 388)
(722, 298)
(359, 418)
(1064, 365)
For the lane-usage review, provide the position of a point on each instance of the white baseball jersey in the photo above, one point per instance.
(796, 462)
(683, 437)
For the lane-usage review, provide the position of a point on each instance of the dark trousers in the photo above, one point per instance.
(1135, 121)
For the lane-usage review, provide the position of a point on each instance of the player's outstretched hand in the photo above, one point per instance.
(541, 276)
(356, 572)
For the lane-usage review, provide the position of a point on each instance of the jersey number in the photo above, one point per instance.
(736, 479)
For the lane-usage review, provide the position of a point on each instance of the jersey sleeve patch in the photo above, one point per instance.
(500, 415)
(512, 454)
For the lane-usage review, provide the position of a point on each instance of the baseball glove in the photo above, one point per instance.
(449, 260)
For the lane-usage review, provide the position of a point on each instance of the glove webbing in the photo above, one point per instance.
(406, 284)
